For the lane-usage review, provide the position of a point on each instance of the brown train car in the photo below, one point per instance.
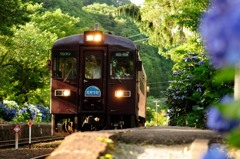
(97, 82)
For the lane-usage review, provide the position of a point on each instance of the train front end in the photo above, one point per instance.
(95, 82)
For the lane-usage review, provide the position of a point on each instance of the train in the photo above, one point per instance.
(97, 82)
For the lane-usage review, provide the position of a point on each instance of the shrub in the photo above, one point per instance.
(8, 110)
(45, 112)
(37, 113)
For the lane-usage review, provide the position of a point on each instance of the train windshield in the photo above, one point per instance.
(93, 66)
(64, 67)
(121, 65)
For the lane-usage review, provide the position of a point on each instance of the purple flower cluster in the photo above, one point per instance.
(191, 58)
(220, 32)
(216, 121)
(216, 152)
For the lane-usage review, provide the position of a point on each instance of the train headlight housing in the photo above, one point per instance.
(93, 37)
(62, 92)
(122, 93)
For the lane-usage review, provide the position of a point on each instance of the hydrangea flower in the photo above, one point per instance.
(34, 111)
(29, 111)
(220, 32)
(216, 152)
(45, 112)
(216, 121)
(8, 110)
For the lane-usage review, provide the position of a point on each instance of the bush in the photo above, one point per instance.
(11, 111)
(29, 112)
(46, 117)
(8, 110)
(189, 93)
(37, 113)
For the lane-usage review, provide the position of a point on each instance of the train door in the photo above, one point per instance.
(92, 84)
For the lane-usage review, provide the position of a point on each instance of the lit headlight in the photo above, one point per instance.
(89, 38)
(66, 93)
(122, 93)
(98, 37)
(62, 92)
(93, 37)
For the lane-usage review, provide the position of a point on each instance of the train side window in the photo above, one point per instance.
(93, 65)
(65, 68)
(121, 65)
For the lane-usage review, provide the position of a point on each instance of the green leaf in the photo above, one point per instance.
(230, 110)
(234, 139)
(224, 75)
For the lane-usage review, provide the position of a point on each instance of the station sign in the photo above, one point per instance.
(17, 129)
(30, 123)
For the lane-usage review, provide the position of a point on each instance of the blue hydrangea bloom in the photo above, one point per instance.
(216, 152)
(216, 121)
(45, 112)
(8, 110)
(226, 99)
(220, 32)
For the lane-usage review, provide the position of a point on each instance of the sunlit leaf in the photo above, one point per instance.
(224, 75)
(230, 110)
(233, 138)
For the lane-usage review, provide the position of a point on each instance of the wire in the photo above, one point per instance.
(135, 35)
(141, 40)
(158, 82)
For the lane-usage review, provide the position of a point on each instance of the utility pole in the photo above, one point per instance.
(156, 101)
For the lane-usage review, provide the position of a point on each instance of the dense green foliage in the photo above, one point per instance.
(156, 112)
(190, 93)
(12, 13)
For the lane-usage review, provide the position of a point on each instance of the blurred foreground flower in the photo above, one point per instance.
(216, 152)
(220, 32)
(216, 121)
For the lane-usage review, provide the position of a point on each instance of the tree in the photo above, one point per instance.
(56, 22)
(115, 3)
(25, 57)
(28, 71)
(12, 12)
(168, 24)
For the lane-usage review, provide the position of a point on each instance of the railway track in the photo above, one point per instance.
(25, 141)
(41, 156)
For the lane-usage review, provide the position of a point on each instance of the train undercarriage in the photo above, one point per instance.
(74, 123)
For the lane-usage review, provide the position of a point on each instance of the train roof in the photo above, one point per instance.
(113, 41)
